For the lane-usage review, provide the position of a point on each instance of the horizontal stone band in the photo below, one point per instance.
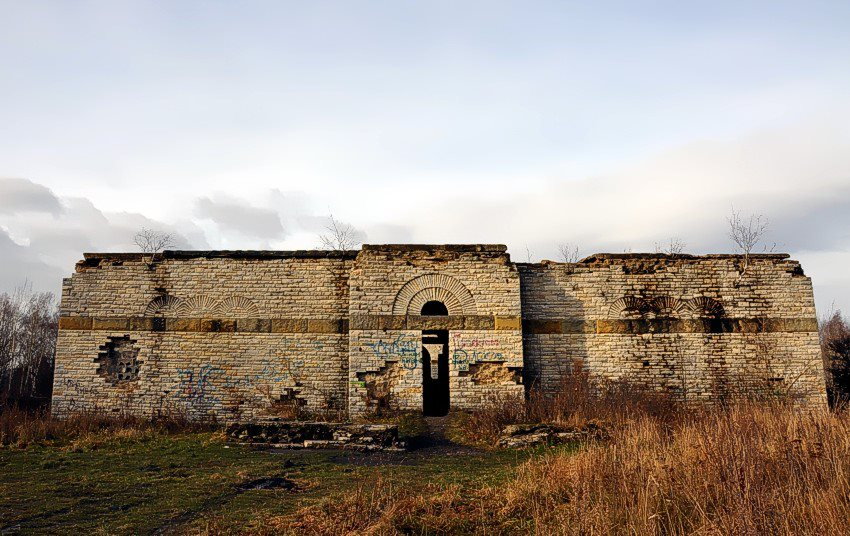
(670, 325)
(466, 322)
(290, 325)
(206, 325)
(450, 322)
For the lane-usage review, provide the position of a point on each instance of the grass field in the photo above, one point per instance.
(750, 468)
(195, 483)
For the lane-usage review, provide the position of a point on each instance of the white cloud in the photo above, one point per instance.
(22, 195)
(797, 174)
(231, 214)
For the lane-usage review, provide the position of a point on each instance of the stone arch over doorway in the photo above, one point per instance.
(414, 294)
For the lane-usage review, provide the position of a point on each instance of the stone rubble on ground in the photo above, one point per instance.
(517, 436)
(317, 435)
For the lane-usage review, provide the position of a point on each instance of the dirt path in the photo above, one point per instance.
(437, 430)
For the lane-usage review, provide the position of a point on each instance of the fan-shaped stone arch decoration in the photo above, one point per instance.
(163, 305)
(705, 307)
(434, 287)
(666, 306)
(629, 306)
(236, 306)
(197, 306)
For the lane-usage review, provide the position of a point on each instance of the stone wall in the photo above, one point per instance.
(389, 284)
(699, 327)
(236, 335)
(254, 335)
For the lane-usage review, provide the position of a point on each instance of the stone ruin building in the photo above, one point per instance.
(248, 335)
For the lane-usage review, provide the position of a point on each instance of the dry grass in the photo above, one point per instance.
(748, 469)
(577, 401)
(21, 428)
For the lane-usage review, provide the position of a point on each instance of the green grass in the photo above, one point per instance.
(173, 483)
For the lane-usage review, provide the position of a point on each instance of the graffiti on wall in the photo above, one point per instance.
(466, 349)
(470, 348)
(197, 384)
(405, 348)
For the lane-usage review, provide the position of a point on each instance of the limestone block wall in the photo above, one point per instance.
(231, 376)
(247, 335)
(699, 327)
(480, 288)
(235, 335)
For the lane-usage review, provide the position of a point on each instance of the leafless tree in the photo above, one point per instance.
(746, 232)
(28, 327)
(527, 254)
(834, 334)
(152, 241)
(339, 236)
(569, 252)
(674, 246)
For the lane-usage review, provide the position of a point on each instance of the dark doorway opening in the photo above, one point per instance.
(435, 364)
(434, 308)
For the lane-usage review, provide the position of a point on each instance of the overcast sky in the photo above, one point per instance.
(238, 125)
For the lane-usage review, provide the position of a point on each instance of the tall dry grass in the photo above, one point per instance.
(748, 469)
(578, 400)
(20, 428)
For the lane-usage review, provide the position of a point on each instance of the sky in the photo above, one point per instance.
(612, 126)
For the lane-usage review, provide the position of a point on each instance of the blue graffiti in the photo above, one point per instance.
(403, 347)
(271, 372)
(400, 346)
(410, 362)
(197, 384)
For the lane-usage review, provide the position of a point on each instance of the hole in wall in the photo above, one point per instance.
(118, 360)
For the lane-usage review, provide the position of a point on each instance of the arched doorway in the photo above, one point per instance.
(435, 363)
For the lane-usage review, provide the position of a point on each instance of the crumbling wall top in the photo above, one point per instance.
(460, 248)
(678, 256)
(226, 254)
(661, 258)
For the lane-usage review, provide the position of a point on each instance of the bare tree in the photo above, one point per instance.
(339, 236)
(28, 327)
(569, 252)
(834, 334)
(674, 246)
(151, 241)
(746, 233)
(527, 254)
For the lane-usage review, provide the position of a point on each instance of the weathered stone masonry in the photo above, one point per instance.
(243, 335)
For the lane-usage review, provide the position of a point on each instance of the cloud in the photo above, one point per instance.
(798, 175)
(235, 215)
(41, 247)
(388, 233)
(21, 265)
(22, 195)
